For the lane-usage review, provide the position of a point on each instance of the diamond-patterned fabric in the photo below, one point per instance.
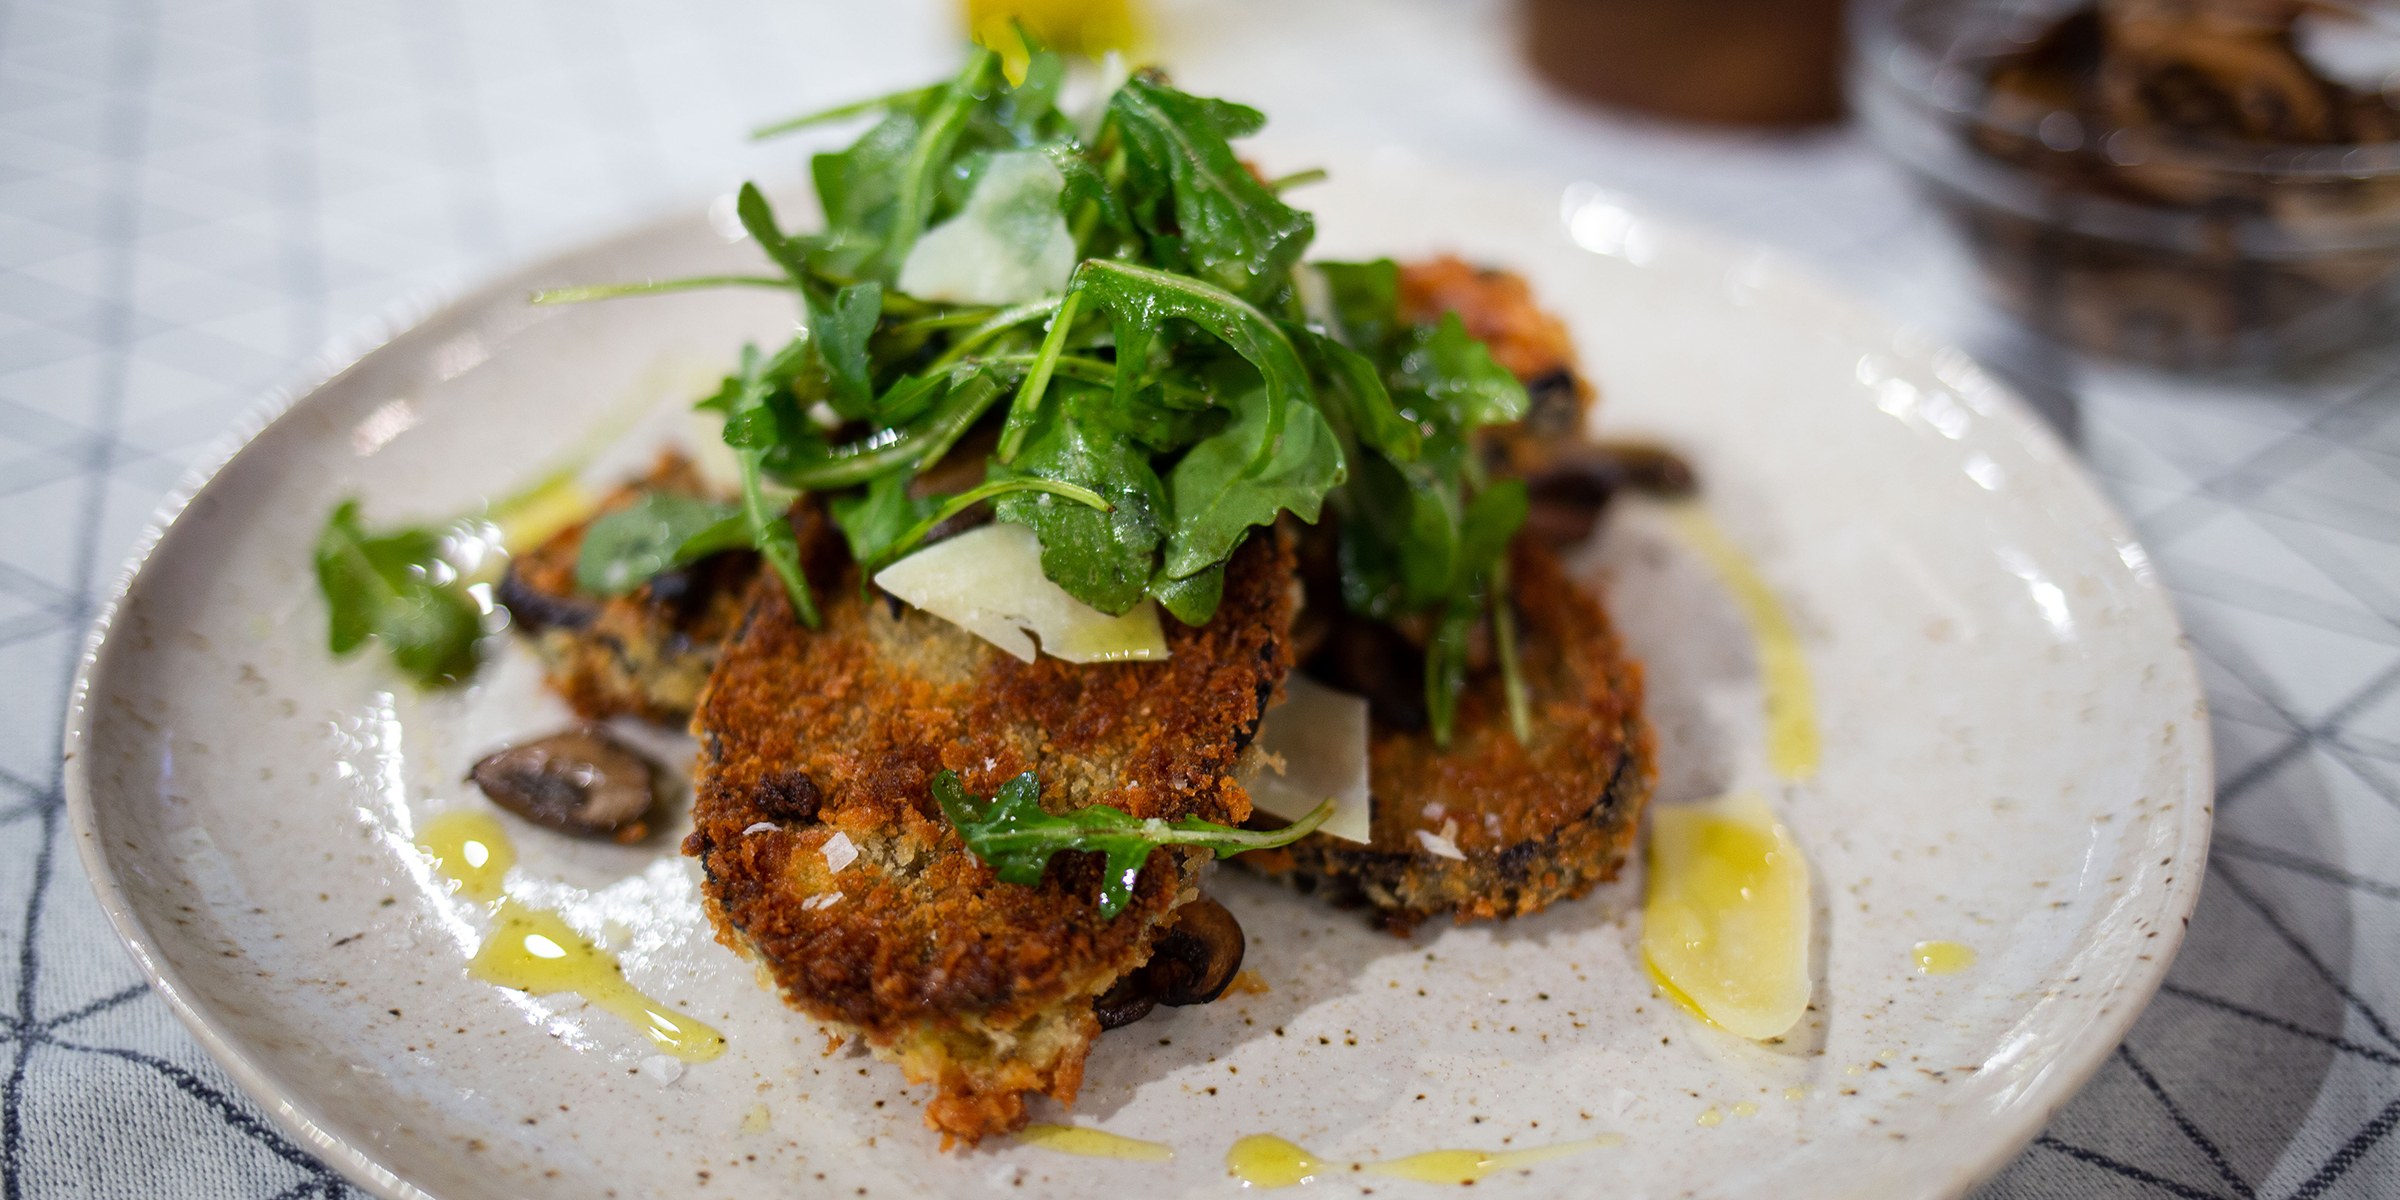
(195, 196)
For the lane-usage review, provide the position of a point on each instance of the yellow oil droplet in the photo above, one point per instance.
(1745, 1109)
(1792, 746)
(1711, 1117)
(1265, 1161)
(1886, 1055)
(757, 1120)
(1794, 1093)
(535, 951)
(1942, 958)
(1725, 924)
(1093, 1143)
(472, 848)
(1854, 1069)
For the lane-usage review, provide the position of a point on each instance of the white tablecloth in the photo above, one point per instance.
(194, 196)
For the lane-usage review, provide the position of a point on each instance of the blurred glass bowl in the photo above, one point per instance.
(2225, 209)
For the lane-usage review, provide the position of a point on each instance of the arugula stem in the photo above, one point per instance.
(949, 320)
(1283, 183)
(906, 99)
(1028, 403)
(651, 287)
(970, 498)
(917, 182)
(1512, 671)
(1000, 323)
(859, 462)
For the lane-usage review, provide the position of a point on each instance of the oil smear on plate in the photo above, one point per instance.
(1725, 926)
(534, 950)
(1263, 1160)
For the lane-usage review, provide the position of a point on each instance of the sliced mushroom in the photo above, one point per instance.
(1570, 489)
(1125, 1002)
(1193, 961)
(581, 781)
(1196, 957)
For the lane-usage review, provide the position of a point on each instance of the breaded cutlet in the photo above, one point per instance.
(981, 988)
(1514, 828)
(644, 653)
(1529, 825)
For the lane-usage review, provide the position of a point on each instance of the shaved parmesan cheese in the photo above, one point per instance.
(989, 582)
(1320, 737)
(1008, 245)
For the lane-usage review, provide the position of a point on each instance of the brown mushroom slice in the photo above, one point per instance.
(1196, 957)
(1578, 480)
(1193, 961)
(581, 781)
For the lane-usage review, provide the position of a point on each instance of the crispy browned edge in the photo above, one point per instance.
(981, 988)
(646, 653)
(1537, 824)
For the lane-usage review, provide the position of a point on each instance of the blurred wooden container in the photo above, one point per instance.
(1739, 62)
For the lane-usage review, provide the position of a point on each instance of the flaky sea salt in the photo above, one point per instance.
(839, 852)
(1435, 843)
(761, 827)
(661, 1069)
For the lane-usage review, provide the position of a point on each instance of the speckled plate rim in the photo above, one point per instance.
(2072, 1065)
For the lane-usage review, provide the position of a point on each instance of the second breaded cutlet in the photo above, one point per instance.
(828, 862)
(645, 653)
(1486, 827)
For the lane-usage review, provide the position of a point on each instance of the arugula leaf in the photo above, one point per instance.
(876, 517)
(1454, 371)
(817, 468)
(1218, 496)
(1366, 405)
(1491, 520)
(1103, 558)
(1013, 834)
(1194, 598)
(624, 549)
(1366, 302)
(770, 529)
(396, 589)
(841, 324)
(920, 172)
(1139, 299)
(1200, 207)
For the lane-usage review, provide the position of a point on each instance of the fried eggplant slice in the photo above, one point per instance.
(645, 653)
(828, 863)
(1485, 827)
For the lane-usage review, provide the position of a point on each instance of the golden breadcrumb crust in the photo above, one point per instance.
(982, 988)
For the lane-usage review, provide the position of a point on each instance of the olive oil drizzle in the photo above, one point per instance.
(1093, 1143)
(1792, 742)
(534, 950)
(1263, 1160)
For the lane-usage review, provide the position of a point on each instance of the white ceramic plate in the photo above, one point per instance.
(2015, 758)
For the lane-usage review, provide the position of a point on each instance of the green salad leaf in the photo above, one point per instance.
(395, 588)
(1192, 381)
(659, 531)
(1016, 836)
